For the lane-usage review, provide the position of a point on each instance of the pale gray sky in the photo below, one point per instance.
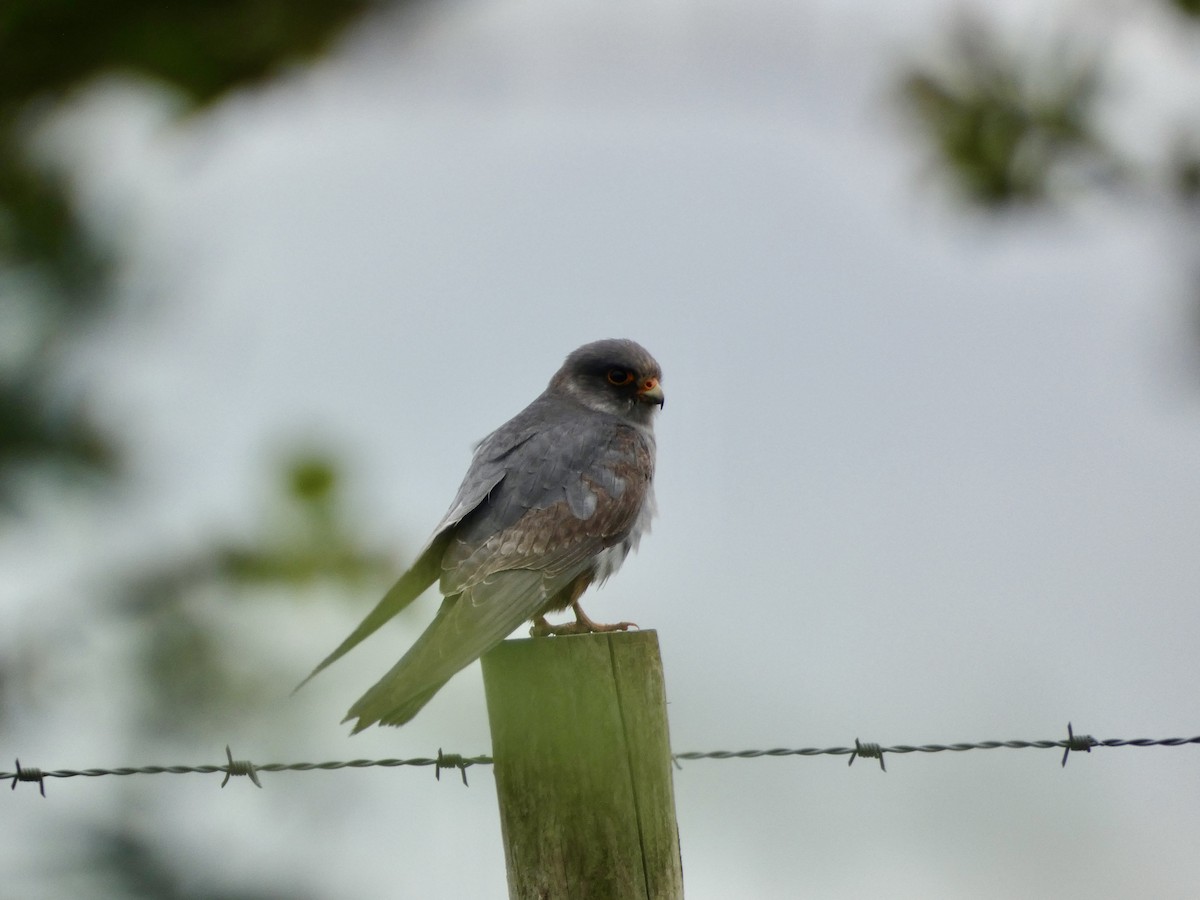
(922, 477)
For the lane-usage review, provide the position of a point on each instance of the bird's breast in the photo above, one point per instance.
(609, 560)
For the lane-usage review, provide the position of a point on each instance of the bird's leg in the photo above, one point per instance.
(586, 625)
(581, 625)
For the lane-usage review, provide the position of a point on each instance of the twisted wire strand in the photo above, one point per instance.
(442, 761)
(449, 761)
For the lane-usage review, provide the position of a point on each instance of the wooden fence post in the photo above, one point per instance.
(583, 767)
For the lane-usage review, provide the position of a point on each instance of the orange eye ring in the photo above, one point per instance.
(619, 377)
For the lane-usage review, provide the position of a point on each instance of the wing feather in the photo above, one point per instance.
(595, 507)
(465, 627)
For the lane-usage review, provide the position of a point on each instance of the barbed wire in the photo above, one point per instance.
(1073, 742)
(232, 768)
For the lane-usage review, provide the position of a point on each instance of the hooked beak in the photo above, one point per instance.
(650, 391)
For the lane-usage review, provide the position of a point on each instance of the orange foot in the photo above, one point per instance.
(581, 625)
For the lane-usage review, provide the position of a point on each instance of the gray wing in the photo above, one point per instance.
(569, 492)
(485, 472)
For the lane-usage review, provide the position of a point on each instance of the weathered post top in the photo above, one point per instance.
(583, 767)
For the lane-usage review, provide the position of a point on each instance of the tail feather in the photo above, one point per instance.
(466, 626)
(407, 588)
(420, 673)
(398, 715)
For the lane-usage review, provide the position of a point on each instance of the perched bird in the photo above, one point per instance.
(553, 502)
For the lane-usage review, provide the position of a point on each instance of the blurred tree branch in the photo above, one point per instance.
(54, 273)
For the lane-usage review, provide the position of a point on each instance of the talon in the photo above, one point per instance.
(588, 626)
(581, 625)
(619, 626)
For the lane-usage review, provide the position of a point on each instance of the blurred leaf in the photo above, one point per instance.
(184, 652)
(51, 277)
(312, 479)
(202, 49)
(313, 540)
(1003, 125)
(40, 433)
(38, 226)
(120, 857)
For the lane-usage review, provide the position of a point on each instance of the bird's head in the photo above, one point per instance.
(615, 376)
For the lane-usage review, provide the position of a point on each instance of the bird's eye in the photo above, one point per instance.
(619, 376)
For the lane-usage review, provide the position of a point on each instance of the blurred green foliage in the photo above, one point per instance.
(202, 49)
(1011, 127)
(55, 278)
(308, 540)
(134, 867)
(1008, 124)
(1004, 124)
(52, 276)
(54, 273)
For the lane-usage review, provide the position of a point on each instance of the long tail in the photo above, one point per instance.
(407, 588)
(466, 626)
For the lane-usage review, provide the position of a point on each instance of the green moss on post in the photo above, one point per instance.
(583, 767)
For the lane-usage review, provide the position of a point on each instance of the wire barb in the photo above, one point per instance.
(867, 751)
(450, 761)
(239, 767)
(23, 774)
(1083, 742)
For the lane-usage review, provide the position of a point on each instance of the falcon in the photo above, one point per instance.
(553, 501)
